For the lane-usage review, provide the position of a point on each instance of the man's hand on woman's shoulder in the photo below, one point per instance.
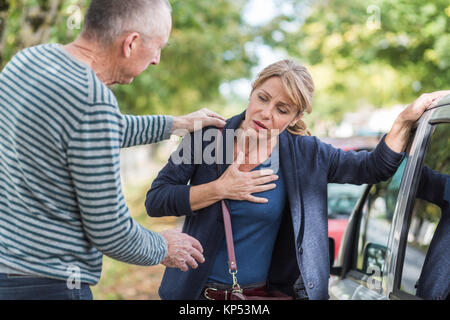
(196, 120)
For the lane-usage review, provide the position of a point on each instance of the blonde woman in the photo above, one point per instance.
(275, 186)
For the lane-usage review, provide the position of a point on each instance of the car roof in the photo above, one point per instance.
(353, 143)
(440, 113)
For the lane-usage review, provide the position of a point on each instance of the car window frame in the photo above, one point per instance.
(430, 126)
(351, 236)
(346, 260)
(350, 254)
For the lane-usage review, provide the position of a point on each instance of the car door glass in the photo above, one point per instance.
(426, 268)
(375, 224)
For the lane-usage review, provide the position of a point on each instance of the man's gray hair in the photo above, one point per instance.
(107, 20)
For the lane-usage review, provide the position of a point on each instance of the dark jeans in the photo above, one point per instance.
(15, 287)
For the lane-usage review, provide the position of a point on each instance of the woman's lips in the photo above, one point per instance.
(259, 125)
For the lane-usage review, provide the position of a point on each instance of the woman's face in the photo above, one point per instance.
(270, 109)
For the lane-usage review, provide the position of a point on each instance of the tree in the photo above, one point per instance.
(206, 48)
(361, 52)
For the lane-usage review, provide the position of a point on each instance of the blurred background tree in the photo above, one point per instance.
(206, 48)
(361, 53)
(366, 52)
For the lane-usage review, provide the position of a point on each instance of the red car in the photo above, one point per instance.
(343, 197)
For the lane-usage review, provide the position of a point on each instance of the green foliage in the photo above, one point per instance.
(376, 52)
(31, 22)
(360, 52)
(206, 48)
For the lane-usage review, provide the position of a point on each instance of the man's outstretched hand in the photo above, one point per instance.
(183, 250)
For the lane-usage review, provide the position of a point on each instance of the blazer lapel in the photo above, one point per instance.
(287, 164)
(290, 175)
(227, 145)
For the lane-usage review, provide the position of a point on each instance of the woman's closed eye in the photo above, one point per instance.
(262, 98)
(282, 110)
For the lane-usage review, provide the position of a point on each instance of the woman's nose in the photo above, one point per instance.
(266, 112)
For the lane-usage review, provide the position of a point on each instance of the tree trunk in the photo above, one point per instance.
(4, 7)
(34, 24)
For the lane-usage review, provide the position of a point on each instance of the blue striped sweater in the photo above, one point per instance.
(61, 203)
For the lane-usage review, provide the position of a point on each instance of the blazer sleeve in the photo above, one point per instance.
(362, 167)
(169, 192)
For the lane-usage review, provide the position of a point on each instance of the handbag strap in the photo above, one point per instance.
(228, 230)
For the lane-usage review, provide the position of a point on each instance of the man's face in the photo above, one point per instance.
(145, 51)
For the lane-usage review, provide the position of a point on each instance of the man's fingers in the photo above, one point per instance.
(191, 262)
(196, 245)
(213, 114)
(183, 267)
(196, 255)
(216, 122)
(183, 250)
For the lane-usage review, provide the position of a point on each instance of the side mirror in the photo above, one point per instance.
(335, 271)
(331, 249)
(374, 256)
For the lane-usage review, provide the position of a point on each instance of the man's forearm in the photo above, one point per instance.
(139, 130)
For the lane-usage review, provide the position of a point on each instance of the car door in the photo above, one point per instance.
(371, 260)
(364, 248)
(420, 262)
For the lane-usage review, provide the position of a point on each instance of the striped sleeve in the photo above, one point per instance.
(140, 130)
(94, 162)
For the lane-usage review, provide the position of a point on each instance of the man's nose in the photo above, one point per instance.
(156, 59)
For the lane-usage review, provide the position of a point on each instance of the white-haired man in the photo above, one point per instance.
(61, 130)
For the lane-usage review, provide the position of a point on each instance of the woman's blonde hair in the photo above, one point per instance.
(297, 83)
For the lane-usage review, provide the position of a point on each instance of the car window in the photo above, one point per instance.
(342, 199)
(375, 224)
(427, 255)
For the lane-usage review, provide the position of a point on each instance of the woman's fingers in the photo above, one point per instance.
(438, 95)
(240, 158)
(422, 103)
(256, 199)
(265, 179)
(264, 188)
(260, 173)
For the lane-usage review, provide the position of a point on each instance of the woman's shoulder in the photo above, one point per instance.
(311, 148)
(307, 142)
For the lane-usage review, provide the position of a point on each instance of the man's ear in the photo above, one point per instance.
(298, 117)
(129, 44)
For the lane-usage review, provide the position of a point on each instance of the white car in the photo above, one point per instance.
(397, 242)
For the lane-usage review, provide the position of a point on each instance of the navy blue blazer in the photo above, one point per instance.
(307, 165)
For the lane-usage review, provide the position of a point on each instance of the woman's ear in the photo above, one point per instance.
(298, 117)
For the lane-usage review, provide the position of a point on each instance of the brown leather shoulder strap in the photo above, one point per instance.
(227, 221)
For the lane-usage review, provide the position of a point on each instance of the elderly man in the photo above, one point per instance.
(61, 130)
